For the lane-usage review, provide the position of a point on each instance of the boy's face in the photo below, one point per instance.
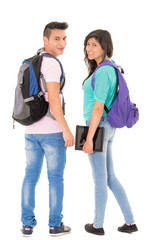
(56, 43)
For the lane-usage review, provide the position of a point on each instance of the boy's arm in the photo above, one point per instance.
(56, 109)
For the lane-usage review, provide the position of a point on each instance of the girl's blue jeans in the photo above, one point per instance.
(103, 175)
(52, 146)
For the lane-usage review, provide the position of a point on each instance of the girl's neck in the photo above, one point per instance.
(107, 58)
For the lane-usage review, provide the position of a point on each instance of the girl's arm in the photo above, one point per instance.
(94, 122)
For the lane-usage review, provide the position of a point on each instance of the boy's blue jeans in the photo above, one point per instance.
(103, 175)
(52, 146)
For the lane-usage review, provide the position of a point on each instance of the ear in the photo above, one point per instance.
(45, 40)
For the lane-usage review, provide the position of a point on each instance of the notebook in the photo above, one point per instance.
(81, 134)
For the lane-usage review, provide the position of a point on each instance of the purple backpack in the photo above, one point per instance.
(123, 112)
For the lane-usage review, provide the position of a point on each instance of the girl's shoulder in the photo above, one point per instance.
(105, 71)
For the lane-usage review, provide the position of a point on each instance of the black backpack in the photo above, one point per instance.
(30, 104)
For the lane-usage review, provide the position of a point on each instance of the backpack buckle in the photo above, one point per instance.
(40, 94)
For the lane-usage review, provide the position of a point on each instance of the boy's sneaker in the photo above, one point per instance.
(98, 231)
(128, 229)
(27, 230)
(58, 231)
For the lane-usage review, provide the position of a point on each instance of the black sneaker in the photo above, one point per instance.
(128, 229)
(58, 231)
(27, 230)
(98, 231)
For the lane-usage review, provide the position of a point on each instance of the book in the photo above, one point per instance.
(81, 135)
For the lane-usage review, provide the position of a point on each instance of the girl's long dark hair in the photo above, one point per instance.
(105, 40)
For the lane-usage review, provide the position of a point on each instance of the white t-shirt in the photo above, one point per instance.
(51, 71)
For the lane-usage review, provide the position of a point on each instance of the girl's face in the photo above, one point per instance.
(94, 50)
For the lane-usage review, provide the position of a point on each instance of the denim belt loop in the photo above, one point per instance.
(104, 119)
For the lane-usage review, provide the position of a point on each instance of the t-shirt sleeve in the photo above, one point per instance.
(51, 70)
(101, 85)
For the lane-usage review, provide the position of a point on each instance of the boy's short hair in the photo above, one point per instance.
(54, 25)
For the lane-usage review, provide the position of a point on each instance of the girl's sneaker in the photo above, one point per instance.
(98, 231)
(128, 228)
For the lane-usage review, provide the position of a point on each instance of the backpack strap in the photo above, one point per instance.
(49, 55)
(62, 78)
(62, 83)
(40, 53)
(104, 63)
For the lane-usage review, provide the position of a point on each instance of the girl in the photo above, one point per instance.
(98, 47)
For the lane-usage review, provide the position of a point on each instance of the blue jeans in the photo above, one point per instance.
(52, 146)
(103, 175)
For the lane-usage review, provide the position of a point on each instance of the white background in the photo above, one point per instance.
(134, 29)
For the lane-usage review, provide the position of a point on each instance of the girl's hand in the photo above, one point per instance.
(88, 147)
